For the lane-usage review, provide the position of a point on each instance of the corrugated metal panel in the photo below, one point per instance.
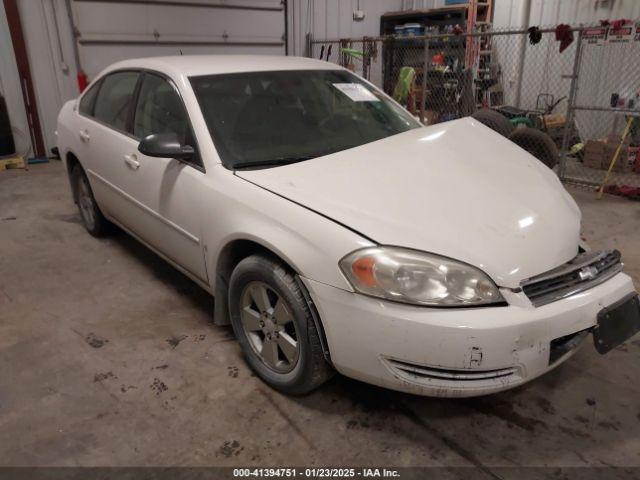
(115, 30)
(334, 19)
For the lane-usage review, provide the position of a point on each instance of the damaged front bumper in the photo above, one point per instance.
(456, 352)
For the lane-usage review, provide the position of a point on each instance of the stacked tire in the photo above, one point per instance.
(495, 121)
(536, 142)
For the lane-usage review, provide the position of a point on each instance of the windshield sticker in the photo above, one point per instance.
(356, 92)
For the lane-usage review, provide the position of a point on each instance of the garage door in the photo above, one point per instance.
(112, 30)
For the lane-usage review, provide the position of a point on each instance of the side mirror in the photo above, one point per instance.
(165, 145)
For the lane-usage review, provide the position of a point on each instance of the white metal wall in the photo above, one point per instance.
(573, 12)
(416, 4)
(334, 19)
(48, 37)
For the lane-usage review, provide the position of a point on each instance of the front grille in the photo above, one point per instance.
(436, 376)
(583, 272)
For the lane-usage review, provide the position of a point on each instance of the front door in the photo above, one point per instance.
(164, 191)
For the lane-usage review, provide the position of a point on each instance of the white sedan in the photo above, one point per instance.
(336, 232)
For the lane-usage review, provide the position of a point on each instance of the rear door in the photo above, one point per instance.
(105, 141)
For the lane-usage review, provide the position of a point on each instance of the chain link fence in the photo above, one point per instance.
(566, 102)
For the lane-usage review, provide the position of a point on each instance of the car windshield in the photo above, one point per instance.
(274, 118)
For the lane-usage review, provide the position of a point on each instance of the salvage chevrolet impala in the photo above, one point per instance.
(336, 232)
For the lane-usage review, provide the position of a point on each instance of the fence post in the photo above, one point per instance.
(573, 89)
(425, 69)
(308, 45)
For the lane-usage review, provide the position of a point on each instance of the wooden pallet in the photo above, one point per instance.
(12, 162)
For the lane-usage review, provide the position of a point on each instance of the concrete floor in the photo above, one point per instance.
(108, 357)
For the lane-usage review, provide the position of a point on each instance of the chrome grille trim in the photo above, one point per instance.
(585, 271)
(424, 372)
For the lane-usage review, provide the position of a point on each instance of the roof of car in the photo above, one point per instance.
(194, 65)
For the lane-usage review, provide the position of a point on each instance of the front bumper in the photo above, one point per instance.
(455, 352)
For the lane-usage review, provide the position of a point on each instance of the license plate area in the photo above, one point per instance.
(617, 323)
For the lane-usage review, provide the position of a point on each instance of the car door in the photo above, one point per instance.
(83, 125)
(105, 141)
(164, 191)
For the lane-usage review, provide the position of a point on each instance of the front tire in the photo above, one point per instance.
(90, 213)
(274, 327)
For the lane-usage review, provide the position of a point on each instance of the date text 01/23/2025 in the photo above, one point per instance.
(316, 472)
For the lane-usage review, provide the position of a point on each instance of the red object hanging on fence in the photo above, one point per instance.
(618, 24)
(564, 35)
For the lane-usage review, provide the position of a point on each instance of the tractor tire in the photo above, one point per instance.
(537, 143)
(495, 121)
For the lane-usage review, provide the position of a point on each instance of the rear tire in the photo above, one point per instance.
(495, 121)
(90, 213)
(537, 143)
(273, 324)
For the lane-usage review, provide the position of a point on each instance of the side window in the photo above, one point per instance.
(88, 100)
(114, 99)
(160, 110)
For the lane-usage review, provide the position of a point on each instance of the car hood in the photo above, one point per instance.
(456, 189)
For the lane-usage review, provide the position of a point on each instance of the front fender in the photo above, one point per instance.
(310, 243)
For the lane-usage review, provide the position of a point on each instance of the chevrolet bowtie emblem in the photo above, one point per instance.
(588, 273)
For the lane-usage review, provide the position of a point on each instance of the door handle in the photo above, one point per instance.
(84, 135)
(132, 161)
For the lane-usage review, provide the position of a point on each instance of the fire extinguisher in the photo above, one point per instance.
(83, 81)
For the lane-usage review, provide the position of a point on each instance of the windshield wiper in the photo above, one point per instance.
(272, 162)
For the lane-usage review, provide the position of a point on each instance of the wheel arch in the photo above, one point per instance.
(233, 253)
(71, 160)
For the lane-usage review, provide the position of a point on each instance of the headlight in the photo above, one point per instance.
(419, 278)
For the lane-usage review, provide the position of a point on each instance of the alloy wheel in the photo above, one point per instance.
(85, 202)
(269, 325)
